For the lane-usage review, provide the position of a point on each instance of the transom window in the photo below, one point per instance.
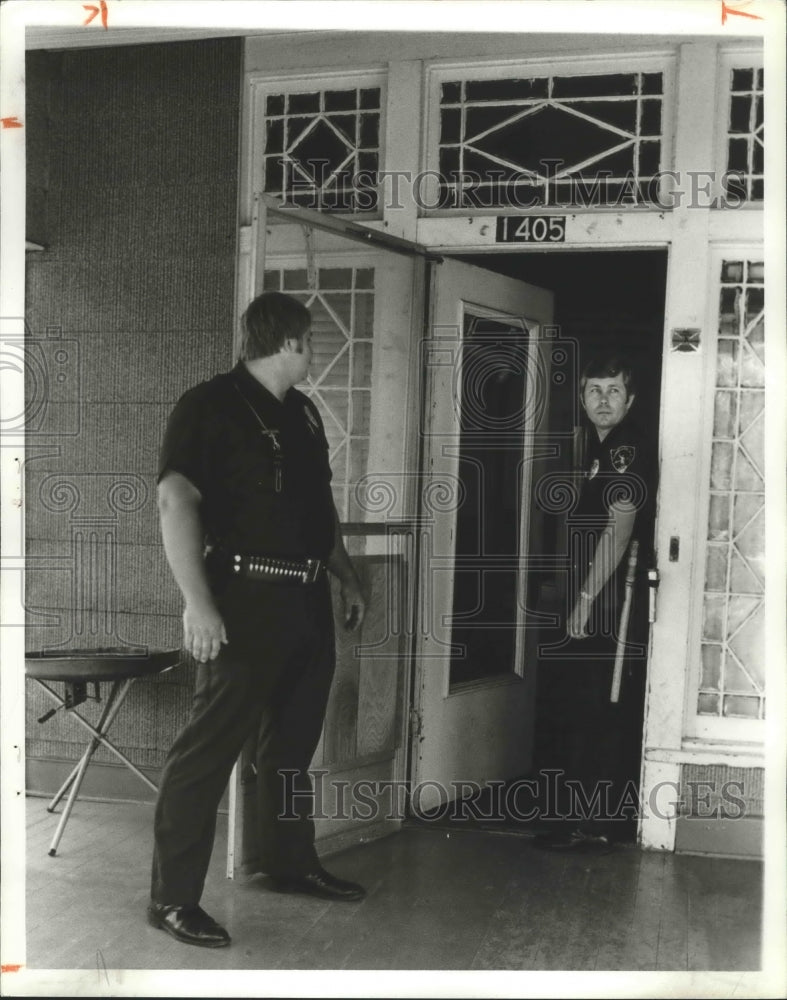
(557, 139)
(322, 147)
(745, 135)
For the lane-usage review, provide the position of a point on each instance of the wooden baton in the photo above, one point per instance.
(631, 570)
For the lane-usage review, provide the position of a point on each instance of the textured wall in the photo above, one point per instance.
(717, 789)
(132, 165)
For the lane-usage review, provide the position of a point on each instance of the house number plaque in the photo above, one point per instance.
(531, 229)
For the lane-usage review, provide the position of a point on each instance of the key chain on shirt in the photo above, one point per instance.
(273, 435)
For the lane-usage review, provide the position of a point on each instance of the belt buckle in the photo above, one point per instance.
(313, 567)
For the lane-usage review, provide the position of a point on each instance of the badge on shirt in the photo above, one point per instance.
(622, 457)
(314, 426)
(593, 469)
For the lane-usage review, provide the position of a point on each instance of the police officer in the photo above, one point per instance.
(615, 506)
(249, 527)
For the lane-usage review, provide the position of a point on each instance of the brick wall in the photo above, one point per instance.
(132, 180)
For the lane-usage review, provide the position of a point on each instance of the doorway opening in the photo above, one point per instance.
(605, 302)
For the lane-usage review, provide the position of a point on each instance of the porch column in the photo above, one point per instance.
(681, 488)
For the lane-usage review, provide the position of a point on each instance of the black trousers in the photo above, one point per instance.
(602, 745)
(594, 743)
(272, 679)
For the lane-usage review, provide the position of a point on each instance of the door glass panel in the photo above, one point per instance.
(341, 301)
(491, 393)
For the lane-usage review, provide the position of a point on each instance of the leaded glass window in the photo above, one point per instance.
(745, 135)
(322, 148)
(732, 675)
(341, 301)
(587, 140)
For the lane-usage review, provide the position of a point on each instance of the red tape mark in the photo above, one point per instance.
(727, 9)
(95, 11)
(12, 122)
(10, 968)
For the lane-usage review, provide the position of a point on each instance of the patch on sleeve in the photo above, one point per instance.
(311, 419)
(622, 457)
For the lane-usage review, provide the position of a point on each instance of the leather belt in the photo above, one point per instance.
(277, 570)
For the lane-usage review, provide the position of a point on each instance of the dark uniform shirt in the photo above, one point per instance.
(622, 470)
(256, 499)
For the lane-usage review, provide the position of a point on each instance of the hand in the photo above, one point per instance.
(576, 626)
(354, 604)
(203, 632)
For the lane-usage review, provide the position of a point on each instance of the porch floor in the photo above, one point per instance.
(438, 899)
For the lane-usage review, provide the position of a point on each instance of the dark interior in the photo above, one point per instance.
(604, 302)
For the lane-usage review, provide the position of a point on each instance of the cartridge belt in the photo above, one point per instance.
(277, 570)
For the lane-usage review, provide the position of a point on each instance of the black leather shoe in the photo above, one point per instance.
(190, 924)
(319, 883)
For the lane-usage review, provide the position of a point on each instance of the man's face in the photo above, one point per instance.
(605, 402)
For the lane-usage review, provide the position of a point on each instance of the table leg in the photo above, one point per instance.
(104, 722)
(100, 735)
(80, 774)
(75, 779)
(65, 786)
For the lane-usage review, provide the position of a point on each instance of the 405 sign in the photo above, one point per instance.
(531, 229)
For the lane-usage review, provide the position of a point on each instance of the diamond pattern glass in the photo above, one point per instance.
(322, 149)
(719, 518)
(742, 708)
(724, 417)
(745, 137)
(341, 301)
(522, 142)
(732, 679)
(711, 666)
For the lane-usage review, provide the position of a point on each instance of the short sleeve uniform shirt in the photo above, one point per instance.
(257, 498)
(620, 470)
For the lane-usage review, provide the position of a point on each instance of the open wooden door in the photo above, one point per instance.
(487, 377)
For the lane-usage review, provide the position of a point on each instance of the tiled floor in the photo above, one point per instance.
(438, 899)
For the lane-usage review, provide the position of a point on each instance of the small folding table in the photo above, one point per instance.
(76, 669)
